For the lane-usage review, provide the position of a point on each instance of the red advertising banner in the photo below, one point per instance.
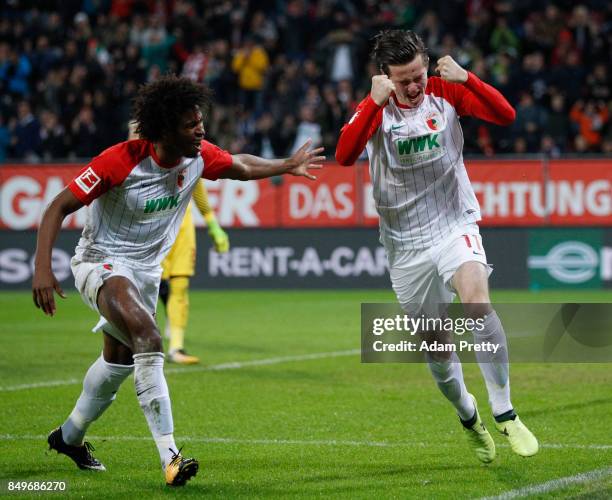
(25, 190)
(331, 200)
(579, 192)
(533, 193)
(510, 192)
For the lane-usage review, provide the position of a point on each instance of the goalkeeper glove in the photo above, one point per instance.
(219, 236)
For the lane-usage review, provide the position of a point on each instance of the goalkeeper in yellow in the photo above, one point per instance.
(179, 266)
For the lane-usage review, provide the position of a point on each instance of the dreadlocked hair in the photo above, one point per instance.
(158, 106)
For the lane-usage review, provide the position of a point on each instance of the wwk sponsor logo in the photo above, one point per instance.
(418, 144)
(159, 204)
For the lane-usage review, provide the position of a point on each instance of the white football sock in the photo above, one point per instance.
(449, 377)
(100, 386)
(154, 399)
(495, 366)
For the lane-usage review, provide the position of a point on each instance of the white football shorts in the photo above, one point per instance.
(89, 277)
(421, 279)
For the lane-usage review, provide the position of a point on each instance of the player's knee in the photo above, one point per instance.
(439, 362)
(477, 308)
(441, 358)
(145, 336)
(146, 340)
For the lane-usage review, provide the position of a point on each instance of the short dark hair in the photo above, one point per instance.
(158, 106)
(397, 47)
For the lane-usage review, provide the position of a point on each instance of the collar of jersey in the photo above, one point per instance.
(158, 161)
(403, 106)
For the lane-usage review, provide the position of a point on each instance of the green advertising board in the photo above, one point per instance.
(561, 258)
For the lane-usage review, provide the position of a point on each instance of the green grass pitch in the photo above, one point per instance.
(267, 419)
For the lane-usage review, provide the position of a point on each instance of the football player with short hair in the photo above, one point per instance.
(409, 124)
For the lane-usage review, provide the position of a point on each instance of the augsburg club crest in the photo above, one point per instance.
(433, 121)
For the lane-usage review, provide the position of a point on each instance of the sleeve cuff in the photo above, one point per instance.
(78, 194)
(370, 104)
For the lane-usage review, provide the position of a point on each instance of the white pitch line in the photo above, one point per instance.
(301, 442)
(579, 446)
(190, 439)
(233, 365)
(555, 484)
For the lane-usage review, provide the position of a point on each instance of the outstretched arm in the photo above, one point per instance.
(249, 167)
(44, 281)
(473, 97)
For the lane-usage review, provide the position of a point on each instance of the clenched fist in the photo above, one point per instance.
(450, 71)
(382, 87)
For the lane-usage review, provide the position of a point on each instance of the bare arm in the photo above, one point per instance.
(44, 281)
(248, 167)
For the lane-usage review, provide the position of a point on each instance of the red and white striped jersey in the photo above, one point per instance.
(420, 184)
(136, 204)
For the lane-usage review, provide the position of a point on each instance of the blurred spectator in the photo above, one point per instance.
(520, 146)
(267, 140)
(530, 122)
(53, 143)
(333, 116)
(308, 128)
(219, 75)
(585, 31)
(85, 135)
(534, 78)
(549, 27)
(598, 83)
(503, 39)
(15, 69)
(130, 65)
(591, 117)
(265, 30)
(26, 133)
(296, 24)
(156, 44)
(196, 64)
(558, 125)
(340, 51)
(549, 148)
(251, 63)
(43, 58)
(430, 31)
(569, 76)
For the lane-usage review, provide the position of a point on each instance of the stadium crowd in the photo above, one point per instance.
(285, 71)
